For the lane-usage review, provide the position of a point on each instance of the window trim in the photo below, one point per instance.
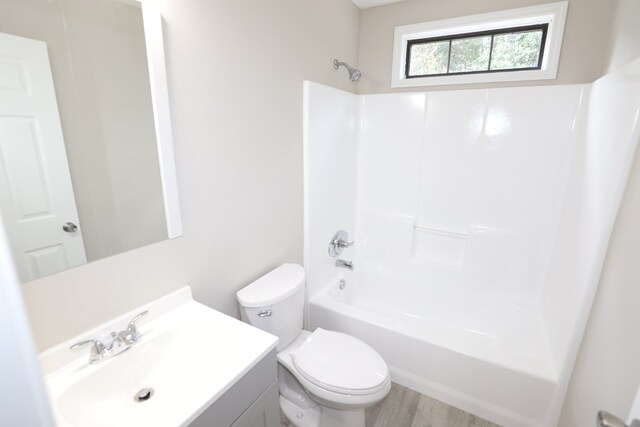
(551, 14)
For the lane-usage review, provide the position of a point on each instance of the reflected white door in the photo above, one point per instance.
(36, 196)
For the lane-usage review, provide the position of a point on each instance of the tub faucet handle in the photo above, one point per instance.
(338, 243)
(343, 244)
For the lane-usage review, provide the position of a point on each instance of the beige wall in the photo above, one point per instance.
(99, 66)
(235, 71)
(584, 49)
(607, 371)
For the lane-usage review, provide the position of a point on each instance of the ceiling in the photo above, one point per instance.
(363, 4)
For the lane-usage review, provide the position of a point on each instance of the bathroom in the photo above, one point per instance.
(235, 76)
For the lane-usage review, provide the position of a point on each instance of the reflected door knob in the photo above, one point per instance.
(606, 419)
(70, 227)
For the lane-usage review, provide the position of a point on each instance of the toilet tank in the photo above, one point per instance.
(275, 303)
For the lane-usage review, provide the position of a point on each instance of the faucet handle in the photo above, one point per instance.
(338, 243)
(131, 327)
(343, 243)
(98, 350)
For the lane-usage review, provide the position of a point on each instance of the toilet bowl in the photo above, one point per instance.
(325, 378)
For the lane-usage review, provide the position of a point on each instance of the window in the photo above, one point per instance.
(509, 49)
(517, 44)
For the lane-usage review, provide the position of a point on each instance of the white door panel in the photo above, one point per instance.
(36, 196)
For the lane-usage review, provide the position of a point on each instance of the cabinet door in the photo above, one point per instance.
(230, 408)
(265, 412)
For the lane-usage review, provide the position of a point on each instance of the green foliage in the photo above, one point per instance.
(429, 58)
(470, 54)
(509, 51)
(516, 50)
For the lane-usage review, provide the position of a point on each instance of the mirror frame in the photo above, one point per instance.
(152, 21)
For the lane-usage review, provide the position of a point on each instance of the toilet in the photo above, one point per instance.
(325, 378)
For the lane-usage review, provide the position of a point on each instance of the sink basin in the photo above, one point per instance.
(189, 356)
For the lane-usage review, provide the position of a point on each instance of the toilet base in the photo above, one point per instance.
(321, 416)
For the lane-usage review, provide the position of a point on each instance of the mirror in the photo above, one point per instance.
(86, 156)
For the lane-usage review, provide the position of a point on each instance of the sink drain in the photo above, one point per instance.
(143, 395)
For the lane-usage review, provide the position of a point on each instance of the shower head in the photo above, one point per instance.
(354, 73)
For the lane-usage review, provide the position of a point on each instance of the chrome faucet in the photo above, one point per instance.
(344, 264)
(131, 335)
(99, 351)
(606, 419)
(120, 341)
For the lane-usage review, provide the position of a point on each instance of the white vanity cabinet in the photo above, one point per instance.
(251, 402)
(195, 367)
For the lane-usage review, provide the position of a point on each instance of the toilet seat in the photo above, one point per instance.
(340, 363)
(342, 399)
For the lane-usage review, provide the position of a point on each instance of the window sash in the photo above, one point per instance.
(500, 31)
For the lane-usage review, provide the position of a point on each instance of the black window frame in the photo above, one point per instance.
(499, 31)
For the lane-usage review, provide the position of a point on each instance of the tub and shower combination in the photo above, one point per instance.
(480, 220)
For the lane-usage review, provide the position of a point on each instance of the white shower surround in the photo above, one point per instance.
(481, 220)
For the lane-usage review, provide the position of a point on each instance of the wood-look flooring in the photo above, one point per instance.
(407, 408)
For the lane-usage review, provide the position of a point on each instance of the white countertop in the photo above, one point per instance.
(190, 354)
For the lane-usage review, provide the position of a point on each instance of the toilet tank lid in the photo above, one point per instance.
(273, 287)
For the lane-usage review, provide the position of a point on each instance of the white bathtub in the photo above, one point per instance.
(483, 355)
